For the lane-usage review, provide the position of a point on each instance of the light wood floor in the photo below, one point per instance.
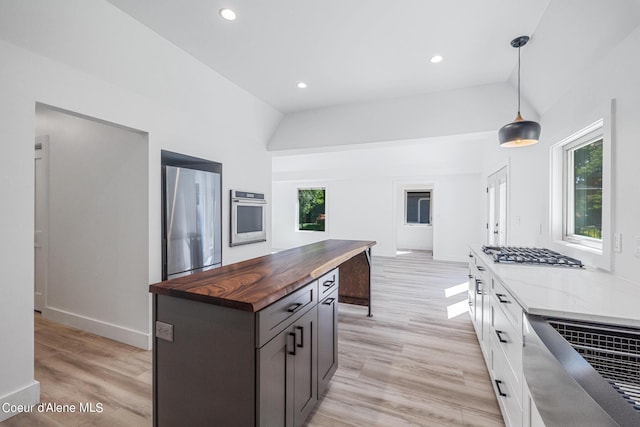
(408, 365)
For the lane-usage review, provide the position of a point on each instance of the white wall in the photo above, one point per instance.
(470, 110)
(364, 183)
(90, 58)
(610, 76)
(98, 272)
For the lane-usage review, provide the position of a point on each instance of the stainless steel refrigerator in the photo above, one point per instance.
(192, 220)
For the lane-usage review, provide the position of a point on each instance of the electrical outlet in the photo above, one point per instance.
(617, 242)
(638, 246)
(164, 331)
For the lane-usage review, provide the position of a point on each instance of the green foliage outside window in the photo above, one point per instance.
(587, 174)
(311, 209)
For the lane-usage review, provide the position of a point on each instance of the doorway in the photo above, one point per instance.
(91, 252)
(414, 207)
(497, 194)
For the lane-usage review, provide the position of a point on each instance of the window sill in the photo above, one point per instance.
(579, 247)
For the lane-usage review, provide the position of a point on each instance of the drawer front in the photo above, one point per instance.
(509, 340)
(328, 283)
(508, 391)
(506, 302)
(273, 319)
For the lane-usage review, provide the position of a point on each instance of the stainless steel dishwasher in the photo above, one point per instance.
(582, 374)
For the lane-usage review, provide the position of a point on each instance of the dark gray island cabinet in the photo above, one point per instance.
(252, 343)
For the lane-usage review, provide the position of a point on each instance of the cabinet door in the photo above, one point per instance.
(327, 340)
(275, 381)
(288, 374)
(305, 382)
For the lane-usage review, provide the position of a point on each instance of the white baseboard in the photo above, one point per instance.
(27, 396)
(108, 330)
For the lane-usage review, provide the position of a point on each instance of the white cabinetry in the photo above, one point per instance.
(506, 352)
(497, 319)
(479, 301)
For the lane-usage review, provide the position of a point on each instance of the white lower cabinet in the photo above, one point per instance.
(507, 390)
(497, 319)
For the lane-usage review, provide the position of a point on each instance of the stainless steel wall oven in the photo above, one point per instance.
(248, 218)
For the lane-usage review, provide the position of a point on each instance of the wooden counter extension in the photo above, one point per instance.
(256, 283)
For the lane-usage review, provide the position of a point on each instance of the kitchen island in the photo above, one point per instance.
(251, 343)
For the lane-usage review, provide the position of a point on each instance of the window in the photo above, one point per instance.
(583, 212)
(418, 207)
(581, 192)
(311, 209)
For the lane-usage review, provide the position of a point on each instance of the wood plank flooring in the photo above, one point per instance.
(408, 365)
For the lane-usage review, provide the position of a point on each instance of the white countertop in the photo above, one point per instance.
(576, 293)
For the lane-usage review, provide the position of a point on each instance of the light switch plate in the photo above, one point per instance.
(164, 331)
(617, 242)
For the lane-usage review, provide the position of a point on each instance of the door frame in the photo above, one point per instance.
(493, 180)
(41, 148)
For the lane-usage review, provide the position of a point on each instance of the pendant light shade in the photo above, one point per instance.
(520, 132)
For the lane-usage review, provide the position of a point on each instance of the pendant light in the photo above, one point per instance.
(520, 132)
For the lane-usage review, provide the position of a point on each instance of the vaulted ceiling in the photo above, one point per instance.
(357, 51)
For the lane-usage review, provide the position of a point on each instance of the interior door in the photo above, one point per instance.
(40, 225)
(497, 186)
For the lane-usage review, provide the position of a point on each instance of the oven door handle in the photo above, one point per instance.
(249, 201)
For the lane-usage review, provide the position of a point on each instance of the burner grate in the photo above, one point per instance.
(535, 256)
(614, 352)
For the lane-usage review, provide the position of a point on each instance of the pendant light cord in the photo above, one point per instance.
(518, 80)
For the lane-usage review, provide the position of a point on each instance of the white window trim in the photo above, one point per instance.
(595, 133)
(599, 254)
(326, 209)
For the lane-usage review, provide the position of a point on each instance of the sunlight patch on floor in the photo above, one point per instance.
(456, 290)
(398, 252)
(455, 310)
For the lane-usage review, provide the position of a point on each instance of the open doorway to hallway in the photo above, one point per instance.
(91, 256)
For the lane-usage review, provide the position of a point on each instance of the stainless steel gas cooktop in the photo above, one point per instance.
(533, 256)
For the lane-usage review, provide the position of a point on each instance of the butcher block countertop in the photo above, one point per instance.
(254, 284)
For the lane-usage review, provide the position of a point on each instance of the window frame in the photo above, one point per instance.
(406, 207)
(598, 255)
(297, 213)
(569, 149)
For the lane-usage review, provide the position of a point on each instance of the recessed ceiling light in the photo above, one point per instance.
(301, 85)
(227, 14)
(436, 58)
